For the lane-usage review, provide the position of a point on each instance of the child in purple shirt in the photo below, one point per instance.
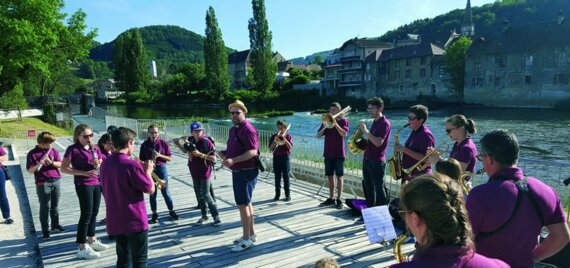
(4, 204)
(82, 160)
(433, 209)
(124, 183)
(44, 162)
(280, 144)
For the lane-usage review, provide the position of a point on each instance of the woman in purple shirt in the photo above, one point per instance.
(4, 204)
(105, 145)
(82, 160)
(433, 209)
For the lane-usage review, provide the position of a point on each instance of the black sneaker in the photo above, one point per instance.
(103, 221)
(45, 235)
(9, 221)
(276, 198)
(287, 198)
(154, 218)
(339, 204)
(57, 229)
(328, 202)
(217, 221)
(173, 215)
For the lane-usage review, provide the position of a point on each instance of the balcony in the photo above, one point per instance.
(350, 69)
(349, 83)
(347, 58)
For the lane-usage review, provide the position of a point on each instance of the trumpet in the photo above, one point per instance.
(329, 119)
(158, 182)
(423, 163)
(357, 143)
(395, 161)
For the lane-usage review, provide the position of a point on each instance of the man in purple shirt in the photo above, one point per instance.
(280, 144)
(44, 162)
(374, 160)
(509, 211)
(242, 148)
(158, 150)
(334, 154)
(418, 142)
(124, 183)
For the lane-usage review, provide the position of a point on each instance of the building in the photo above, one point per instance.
(522, 65)
(106, 89)
(468, 27)
(239, 62)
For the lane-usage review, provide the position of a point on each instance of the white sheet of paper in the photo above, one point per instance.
(378, 224)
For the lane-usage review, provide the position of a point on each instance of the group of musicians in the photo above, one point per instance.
(449, 231)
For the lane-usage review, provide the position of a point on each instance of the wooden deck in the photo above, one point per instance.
(289, 234)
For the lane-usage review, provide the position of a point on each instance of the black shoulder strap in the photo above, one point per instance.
(536, 207)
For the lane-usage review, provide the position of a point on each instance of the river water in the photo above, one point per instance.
(542, 134)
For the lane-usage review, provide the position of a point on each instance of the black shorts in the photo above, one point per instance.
(334, 165)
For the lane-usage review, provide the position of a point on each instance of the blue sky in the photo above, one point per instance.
(300, 27)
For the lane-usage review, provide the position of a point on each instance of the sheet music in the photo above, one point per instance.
(378, 224)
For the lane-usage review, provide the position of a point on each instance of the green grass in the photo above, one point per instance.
(12, 128)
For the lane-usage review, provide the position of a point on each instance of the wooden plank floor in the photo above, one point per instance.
(290, 234)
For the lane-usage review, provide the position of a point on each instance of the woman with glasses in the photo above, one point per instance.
(82, 160)
(418, 142)
(434, 212)
(105, 145)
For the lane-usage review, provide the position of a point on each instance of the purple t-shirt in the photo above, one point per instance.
(124, 183)
(2, 153)
(281, 150)
(242, 138)
(82, 159)
(381, 129)
(334, 142)
(105, 153)
(450, 256)
(47, 171)
(490, 205)
(200, 168)
(465, 152)
(159, 145)
(418, 141)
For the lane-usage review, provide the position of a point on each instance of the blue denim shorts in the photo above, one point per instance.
(243, 183)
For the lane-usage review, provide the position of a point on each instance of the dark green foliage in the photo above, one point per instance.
(131, 65)
(261, 57)
(49, 114)
(455, 57)
(272, 113)
(216, 58)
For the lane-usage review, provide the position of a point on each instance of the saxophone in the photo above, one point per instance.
(400, 256)
(395, 162)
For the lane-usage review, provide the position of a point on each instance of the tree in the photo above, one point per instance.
(215, 57)
(14, 99)
(131, 68)
(455, 57)
(36, 46)
(261, 57)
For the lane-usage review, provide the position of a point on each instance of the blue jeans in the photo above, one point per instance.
(375, 191)
(281, 167)
(162, 173)
(132, 249)
(4, 205)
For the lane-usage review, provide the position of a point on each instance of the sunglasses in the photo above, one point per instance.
(480, 156)
(87, 136)
(448, 130)
(411, 118)
(235, 113)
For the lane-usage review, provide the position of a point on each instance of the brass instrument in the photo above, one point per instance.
(280, 137)
(357, 143)
(463, 182)
(400, 256)
(395, 161)
(44, 158)
(329, 119)
(158, 182)
(423, 163)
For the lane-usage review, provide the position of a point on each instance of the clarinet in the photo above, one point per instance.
(44, 158)
(94, 157)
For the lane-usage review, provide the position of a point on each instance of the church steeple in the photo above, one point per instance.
(468, 28)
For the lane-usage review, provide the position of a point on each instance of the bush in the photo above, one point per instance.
(138, 98)
(49, 114)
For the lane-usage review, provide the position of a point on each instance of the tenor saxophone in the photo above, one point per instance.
(398, 254)
(395, 161)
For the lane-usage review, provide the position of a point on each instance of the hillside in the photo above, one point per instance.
(486, 18)
(309, 59)
(165, 44)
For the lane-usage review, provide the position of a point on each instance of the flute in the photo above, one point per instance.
(44, 158)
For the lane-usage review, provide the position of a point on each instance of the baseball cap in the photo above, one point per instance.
(196, 126)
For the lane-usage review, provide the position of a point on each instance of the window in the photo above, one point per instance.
(561, 79)
(529, 60)
(408, 74)
(397, 74)
(397, 63)
(422, 73)
(433, 89)
(401, 88)
(498, 81)
(408, 62)
(423, 60)
(528, 79)
(500, 61)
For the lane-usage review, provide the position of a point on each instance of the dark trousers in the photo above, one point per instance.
(281, 167)
(48, 195)
(89, 199)
(375, 190)
(203, 190)
(162, 173)
(132, 249)
(4, 205)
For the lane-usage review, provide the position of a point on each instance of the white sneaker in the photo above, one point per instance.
(243, 245)
(87, 253)
(253, 238)
(98, 246)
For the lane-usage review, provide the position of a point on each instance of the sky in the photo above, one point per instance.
(299, 27)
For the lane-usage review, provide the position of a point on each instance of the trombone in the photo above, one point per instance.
(280, 137)
(423, 163)
(329, 119)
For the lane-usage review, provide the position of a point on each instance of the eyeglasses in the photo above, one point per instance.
(403, 213)
(235, 113)
(87, 136)
(480, 156)
(372, 108)
(448, 130)
(411, 118)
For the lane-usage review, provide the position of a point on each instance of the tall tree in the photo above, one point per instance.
(455, 56)
(261, 57)
(215, 57)
(36, 46)
(131, 65)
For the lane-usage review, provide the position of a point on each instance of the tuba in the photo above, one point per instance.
(395, 161)
(357, 143)
(400, 256)
(423, 163)
(329, 119)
